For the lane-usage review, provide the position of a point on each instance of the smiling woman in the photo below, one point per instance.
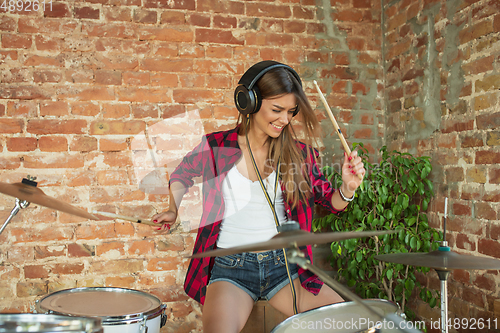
(257, 177)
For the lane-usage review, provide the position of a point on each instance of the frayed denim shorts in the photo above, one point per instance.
(261, 275)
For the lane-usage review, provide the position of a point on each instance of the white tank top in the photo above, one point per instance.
(248, 217)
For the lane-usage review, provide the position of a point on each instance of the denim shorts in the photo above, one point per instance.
(261, 275)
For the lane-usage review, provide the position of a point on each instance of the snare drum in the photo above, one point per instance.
(121, 310)
(346, 317)
(32, 322)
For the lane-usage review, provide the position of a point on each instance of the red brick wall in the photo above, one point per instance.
(82, 81)
(442, 62)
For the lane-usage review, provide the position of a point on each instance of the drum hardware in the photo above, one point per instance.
(27, 192)
(120, 310)
(296, 256)
(443, 261)
(48, 323)
(294, 238)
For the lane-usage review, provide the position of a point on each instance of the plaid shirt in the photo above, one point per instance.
(212, 159)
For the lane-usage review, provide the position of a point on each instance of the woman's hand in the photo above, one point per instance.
(165, 219)
(352, 167)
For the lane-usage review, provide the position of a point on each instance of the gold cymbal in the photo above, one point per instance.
(290, 239)
(35, 195)
(441, 260)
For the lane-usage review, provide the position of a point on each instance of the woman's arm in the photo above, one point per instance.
(351, 167)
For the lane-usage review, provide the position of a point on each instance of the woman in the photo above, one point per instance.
(239, 208)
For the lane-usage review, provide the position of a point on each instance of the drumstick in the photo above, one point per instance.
(126, 218)
(334, 122)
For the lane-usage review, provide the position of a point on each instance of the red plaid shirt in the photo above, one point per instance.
(212, 159)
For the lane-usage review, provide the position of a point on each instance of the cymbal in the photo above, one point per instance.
(292, 238)
(441, 260)
(35, 195)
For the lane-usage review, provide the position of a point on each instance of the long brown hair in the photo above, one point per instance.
(275, 83)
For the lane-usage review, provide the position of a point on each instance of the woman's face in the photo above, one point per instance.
(274, 115)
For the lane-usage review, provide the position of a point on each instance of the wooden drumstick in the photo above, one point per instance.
(334, 122)
(127, 218)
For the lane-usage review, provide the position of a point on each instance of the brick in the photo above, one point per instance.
(485, 101)
(480, 65)
(110, 249)
(111, 177)
(475, 31)
(36, 272)
(451, 125)
(7, 24)
(105, 195)
(53, 161)
(483, 210)
(163, 264)
(49, 251)
(494, 176)
(116, 13)
(488, 121)
(461, 209)
(195, 96)
(465, 242)
(53, 126)
(57, 10)
(85, 109)
(225, 22)
(113, 144)
(199, 20)
(493, 138)
(106, 77)
(42, 76)
(108, 30)
(152, 95)
(136, 78)
(115, 111)
(489, 247)
(490, 82)
(141, 248)
(86, 12)
(485, 281)
(58, 108)
(169, 17)
(10, 163)
(454, 174)
(81, 250)
(29, 289)
(22, 93)
(117, 127)
(11, 41)
(83, 143)
(53, 143)
(476, 175)
(164, 80)
(122, 266)
(145, 111)
(294, 27)
(102, 93)
(21, 144)
(174, 243)
(217, 36)
(41, 234)
(487, 157)
(167, 4)
(473, 140)
(180, 34)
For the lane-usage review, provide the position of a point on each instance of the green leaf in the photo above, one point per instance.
(389, 274)
(359, 256)
(413, 243)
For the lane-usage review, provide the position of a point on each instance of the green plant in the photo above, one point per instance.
(394, 195)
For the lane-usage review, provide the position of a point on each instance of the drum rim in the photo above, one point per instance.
(95, 323)
(108, 320)
(291, 318)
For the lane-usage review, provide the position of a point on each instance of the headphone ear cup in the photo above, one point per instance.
(247, 101)
(296, 111)
(243, 99)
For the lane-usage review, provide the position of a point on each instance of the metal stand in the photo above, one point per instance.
(297, 257)
(443, 277)
(20, 204)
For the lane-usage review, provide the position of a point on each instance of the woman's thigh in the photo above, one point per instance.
(283, 300)
(226, 309)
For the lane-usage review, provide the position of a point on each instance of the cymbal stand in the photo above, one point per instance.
(297, 257)
(443, 276)
(20, 204)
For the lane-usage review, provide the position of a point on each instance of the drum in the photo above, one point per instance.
(346, 317)
(121, 310)
(32, 322)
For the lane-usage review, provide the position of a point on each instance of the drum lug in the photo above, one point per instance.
(163, 317)
(144, 327)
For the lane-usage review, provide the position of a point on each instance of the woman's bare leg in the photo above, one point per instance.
(283, 301)
(226, 308)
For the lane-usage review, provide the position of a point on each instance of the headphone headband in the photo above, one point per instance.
(247, 96)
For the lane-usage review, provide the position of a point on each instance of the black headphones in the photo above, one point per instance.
(247, 96)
